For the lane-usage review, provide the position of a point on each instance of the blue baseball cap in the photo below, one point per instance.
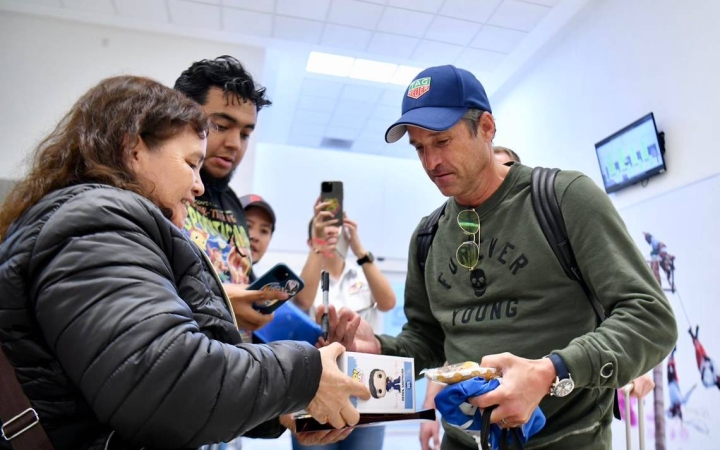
(437, 99)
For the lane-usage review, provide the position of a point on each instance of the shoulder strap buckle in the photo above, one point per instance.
(19, 424)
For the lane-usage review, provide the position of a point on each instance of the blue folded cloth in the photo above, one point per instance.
(452, 403)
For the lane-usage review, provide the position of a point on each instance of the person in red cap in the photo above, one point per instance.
(261, 226)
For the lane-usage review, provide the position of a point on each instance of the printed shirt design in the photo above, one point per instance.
(219, 235)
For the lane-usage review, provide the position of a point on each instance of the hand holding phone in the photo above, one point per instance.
(278, 278)
(332, 192)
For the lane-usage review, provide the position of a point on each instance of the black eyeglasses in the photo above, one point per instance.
(468, 253)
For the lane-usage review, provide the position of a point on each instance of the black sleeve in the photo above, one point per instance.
(106, 300)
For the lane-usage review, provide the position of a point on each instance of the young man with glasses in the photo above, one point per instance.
(493, 292)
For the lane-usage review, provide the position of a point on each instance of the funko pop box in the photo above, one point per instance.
(391, 380)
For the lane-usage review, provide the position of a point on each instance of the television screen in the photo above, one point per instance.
(632, 154)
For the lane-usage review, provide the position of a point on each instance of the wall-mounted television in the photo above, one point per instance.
(631, 155)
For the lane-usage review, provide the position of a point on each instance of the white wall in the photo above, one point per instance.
(620, 60)
(48, 63)
(386, 196)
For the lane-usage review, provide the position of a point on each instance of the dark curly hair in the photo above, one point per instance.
(226, 73)
(88, 144)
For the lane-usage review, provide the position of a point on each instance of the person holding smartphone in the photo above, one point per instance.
(358, 285)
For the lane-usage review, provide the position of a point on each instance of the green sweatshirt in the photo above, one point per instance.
(527, 306)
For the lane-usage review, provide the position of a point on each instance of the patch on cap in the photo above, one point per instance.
(254, 198)
(418, 87)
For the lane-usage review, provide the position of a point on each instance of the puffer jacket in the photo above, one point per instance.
(117, 326)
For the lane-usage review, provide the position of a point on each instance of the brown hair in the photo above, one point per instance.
(513, 156)
(87, 145)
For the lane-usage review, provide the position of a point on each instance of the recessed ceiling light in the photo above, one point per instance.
(404, 75)
(328, 64)
(366, 69)
(361, 69)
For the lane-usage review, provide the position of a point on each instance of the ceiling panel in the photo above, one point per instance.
(503, 40)
(345, 37)
(307, 129)
(151, 10)
(322, 88)
(473, 10)
(304, 140)
(339, 132)
(376, 127)
(405, 22)
(305, 9)
(452, 31)
(98, 6)
(312, 118)
(301, 30)
(392, 97)
(53, 3)
(249, 22)
(518, 15)
(361, 110)
(314, 103)
(430, 6)
(431, 53)
(475, 34)
(355, 13)
(476, 60)
(352, 121)
(253, 5)
(387, 113)
(392, 45)
(196, 15)
(361, 93)
(550, 3)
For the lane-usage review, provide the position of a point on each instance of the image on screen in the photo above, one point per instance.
(630, 155)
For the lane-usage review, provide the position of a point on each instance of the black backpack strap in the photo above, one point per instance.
(551, 221)
(426, 234)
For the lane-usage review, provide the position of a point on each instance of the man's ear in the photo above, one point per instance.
(486, 126)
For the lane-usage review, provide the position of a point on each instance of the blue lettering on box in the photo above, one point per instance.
(409, 394)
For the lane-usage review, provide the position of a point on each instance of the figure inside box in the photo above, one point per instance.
(380, 384)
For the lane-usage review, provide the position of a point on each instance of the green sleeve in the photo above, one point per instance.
(640, 330)
(422, 336)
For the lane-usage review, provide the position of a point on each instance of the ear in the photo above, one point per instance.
(486, 126)
(134, 148)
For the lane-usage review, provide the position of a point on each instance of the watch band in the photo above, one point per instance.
(561, 369)
(368, 258)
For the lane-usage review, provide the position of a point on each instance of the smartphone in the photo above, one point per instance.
(332, 191)
(278, 278)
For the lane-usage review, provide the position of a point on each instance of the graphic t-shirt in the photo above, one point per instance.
(221, 232)
(217, 224)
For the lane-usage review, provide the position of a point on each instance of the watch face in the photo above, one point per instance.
(563, 387)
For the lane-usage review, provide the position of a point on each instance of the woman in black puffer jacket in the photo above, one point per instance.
(118, 329)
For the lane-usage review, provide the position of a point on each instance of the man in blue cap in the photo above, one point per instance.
(492, 290)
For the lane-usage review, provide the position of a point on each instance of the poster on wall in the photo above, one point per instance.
(678, 232)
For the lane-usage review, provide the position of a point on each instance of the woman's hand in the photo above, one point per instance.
(332, 400)
(315, 437)
(355, 244)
